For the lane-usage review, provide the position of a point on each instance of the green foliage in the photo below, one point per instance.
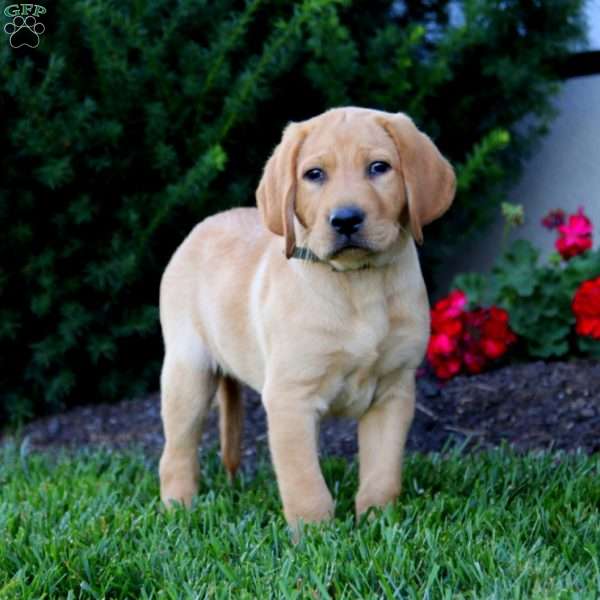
(489, 525)
(133, 120)
(537, 297)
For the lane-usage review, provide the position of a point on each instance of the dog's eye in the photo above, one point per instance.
(378, 167)
(316, 175)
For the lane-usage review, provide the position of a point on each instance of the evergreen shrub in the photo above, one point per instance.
(133, 120)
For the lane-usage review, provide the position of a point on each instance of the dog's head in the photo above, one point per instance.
(349, 182)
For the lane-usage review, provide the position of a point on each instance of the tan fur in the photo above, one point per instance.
(342, 336)
(231, 422)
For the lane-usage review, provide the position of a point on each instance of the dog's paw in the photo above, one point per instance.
(24, 31)
(178, 493)
(179, 479)
(315, 510)
(375, 498)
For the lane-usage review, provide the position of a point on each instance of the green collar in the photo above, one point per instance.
(308, 255)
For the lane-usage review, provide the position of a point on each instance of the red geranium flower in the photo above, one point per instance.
(474, 362)
(586, 306)
(449, 368)
(496, 333)
(554, 219)
(466, 340)
(451, 306)
(445, 359)
(575, 237)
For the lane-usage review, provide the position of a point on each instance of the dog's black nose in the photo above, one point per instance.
(347, 219)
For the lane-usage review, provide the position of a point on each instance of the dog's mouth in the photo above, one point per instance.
(351, 248)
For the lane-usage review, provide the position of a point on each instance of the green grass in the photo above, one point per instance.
(492, 525)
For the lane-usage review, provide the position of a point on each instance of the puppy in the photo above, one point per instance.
(316, 299)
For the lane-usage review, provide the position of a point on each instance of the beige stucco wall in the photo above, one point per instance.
(564, 172)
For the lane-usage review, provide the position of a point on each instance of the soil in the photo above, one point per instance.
(534, 406)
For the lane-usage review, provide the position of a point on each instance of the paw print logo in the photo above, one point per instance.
(24, 31)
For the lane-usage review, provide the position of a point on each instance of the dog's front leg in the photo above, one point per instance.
(293, 427)
(382, 433)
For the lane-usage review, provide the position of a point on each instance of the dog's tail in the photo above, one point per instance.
(231, 423)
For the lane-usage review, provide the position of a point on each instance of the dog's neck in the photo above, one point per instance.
(308, 255)
(392, 273)
(373, 262)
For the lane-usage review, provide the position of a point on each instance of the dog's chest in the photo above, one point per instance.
(364, 356)
(353, 394)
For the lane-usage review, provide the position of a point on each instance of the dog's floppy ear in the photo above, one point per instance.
(429, 178)
(276, 192)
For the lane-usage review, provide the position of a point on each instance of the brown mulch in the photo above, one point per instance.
(532, 406)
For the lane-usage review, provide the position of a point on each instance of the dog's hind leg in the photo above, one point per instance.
(188, 382)
(231, 423)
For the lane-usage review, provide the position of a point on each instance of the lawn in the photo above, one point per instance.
(489, 525)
